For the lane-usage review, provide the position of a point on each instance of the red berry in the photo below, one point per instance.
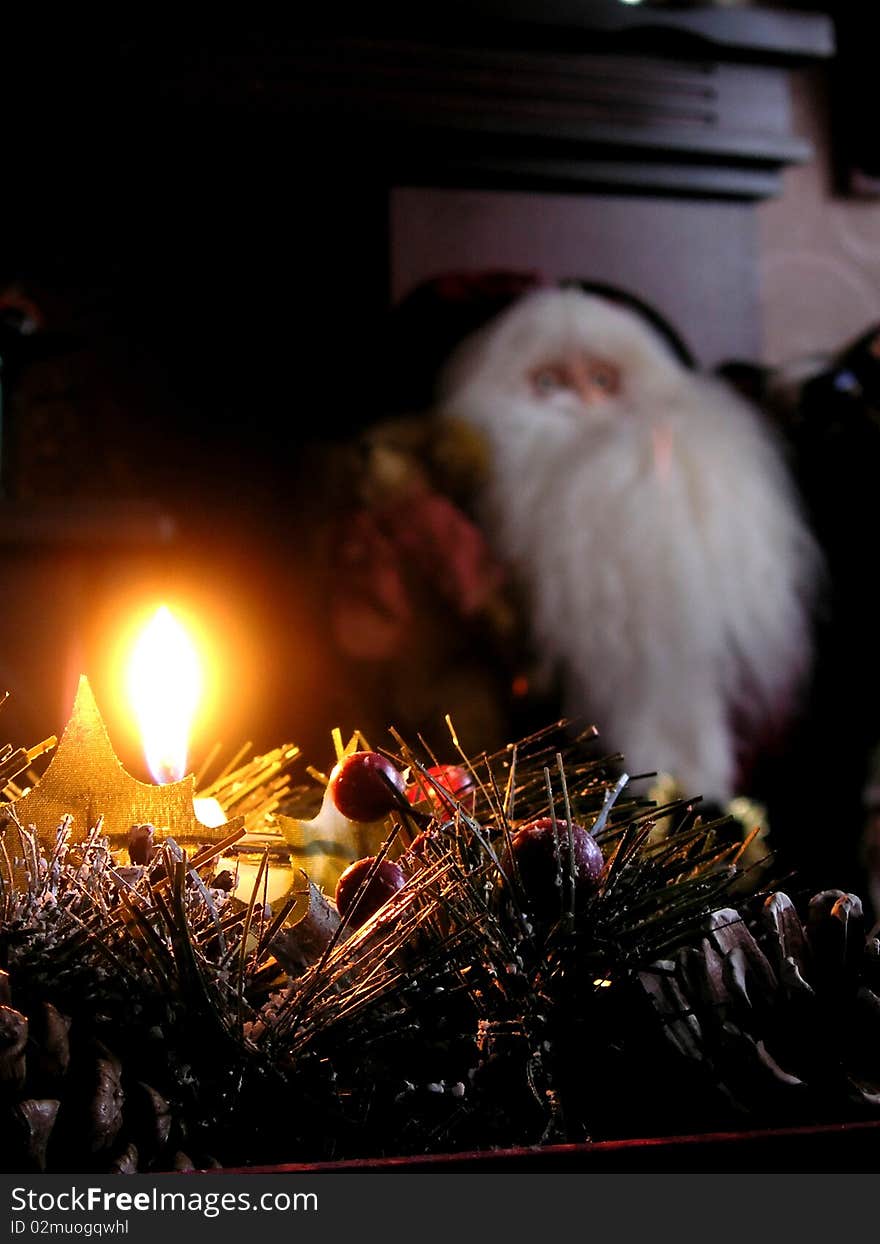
(363, 785)
(141, 848)
(535, 851)
(452, 778)
(385, 882)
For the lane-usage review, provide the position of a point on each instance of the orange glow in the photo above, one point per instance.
(165, 682)
(209, 812)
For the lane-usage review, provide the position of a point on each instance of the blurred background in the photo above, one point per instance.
(206, 232)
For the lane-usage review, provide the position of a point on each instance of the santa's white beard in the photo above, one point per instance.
(667, 568)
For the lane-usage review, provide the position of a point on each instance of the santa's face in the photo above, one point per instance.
(565, 371)
(575, 382)
(648, 515)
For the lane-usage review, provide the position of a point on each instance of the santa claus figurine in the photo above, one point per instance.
(648, 517)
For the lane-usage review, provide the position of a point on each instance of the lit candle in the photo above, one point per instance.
(165, 683)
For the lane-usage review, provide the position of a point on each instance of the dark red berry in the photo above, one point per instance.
(363, 786)
(535, 850)
(140, 844)
(383, 885)
(452, 778)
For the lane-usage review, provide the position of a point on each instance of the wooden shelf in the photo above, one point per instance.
(682, 101)
(770, 34)
(565, 92)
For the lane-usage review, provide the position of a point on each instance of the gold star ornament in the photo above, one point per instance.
(86, 781)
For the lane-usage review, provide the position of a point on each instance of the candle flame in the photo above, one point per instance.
(164, 687)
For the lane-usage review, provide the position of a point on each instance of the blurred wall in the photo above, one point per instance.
(693, 259)
(819, 251)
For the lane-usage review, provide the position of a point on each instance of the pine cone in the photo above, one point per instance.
(782, 1014)
(67, 1106)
